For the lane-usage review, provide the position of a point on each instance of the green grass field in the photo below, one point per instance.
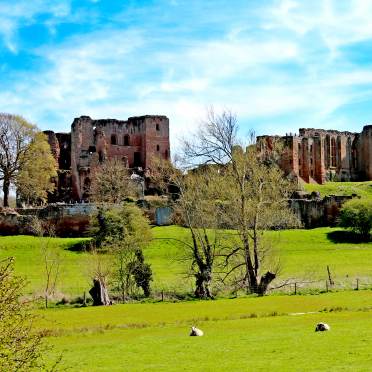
(304, 255)
(362, 189)
(270, 333)
(247, 333)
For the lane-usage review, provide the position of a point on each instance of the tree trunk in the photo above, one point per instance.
(99, 293)
(264, 283)
(6, 186)
(202, 282)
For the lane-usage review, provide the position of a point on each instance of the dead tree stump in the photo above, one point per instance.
(99, 293)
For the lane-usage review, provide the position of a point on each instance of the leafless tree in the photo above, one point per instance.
(50, 256)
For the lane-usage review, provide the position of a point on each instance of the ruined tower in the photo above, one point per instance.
(134, 142)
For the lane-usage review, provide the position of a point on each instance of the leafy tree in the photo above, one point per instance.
(21, 348)
(111, 183)
(254, 197)
(18, 142)
(356, 215)
(34, 180)
(196, 207)
(124, 231)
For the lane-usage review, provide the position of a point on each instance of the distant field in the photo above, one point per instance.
(304, 256)
(362, 189)
(270, 333)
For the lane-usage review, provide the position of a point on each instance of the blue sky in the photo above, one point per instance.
(278, 64)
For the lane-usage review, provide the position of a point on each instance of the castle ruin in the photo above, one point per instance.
(317, 155)
(134, 142)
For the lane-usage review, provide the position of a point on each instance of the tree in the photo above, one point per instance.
(21, 347)
(197, 209)
(50, 256)
(18, 141)
(111, 183)
(254, 197)
(124, 231)
(356, 215)
(34, 180)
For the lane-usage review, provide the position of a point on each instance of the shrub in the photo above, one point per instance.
(356, 215)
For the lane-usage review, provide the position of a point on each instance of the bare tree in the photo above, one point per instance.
(16, 143)
(50, 256)
(111, 183)
(254, 197)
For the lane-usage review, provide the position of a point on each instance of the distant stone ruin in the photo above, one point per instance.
(317, 155)
(134, 142)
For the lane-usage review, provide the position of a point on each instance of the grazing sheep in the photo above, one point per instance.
(321, 327)
(196, 332)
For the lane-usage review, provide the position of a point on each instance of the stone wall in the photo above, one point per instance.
(69, 219)
(314, 211)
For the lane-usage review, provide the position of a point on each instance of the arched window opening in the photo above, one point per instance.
(166, 154)
(113, 139)
(157, 127)
(126, 140)
(157, 148)
(333, 152)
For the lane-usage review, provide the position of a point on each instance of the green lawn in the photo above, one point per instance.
(270, 333)
(304, 256)
(363, 189)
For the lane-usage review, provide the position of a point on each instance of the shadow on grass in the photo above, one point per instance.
(81, 247)
(344, 236)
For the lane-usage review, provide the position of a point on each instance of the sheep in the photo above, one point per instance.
(196, 332)
(320, 327)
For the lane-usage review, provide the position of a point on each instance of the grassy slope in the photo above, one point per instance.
(363, 189)
(29, 262)
(304, 254)
(154, 336)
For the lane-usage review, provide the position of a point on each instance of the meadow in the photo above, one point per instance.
(245, 333)
(269, 333)
(362, 189)
(304, 256)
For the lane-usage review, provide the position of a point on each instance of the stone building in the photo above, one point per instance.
(134, 142)
(317, 155)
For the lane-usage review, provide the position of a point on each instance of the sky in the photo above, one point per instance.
(279, 65)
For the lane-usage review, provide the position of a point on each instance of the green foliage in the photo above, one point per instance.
(20, 347)
(357, 215)
(124, 231)
(34, 180)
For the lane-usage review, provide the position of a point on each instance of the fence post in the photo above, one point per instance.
(85, 299)
(162, 295)
(295, 288)
(326, 285)
(357, 287)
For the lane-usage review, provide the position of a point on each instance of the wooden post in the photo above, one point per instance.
(162, 295)
(326, 285)
(295, 288)
(84, 299)
(357, 287)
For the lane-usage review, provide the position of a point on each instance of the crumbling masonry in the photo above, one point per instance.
(317, 155)
(134, 142)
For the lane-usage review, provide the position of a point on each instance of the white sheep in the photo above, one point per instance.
(196, 332)
(321, 327)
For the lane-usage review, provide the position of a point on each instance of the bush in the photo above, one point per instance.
(356, 215)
